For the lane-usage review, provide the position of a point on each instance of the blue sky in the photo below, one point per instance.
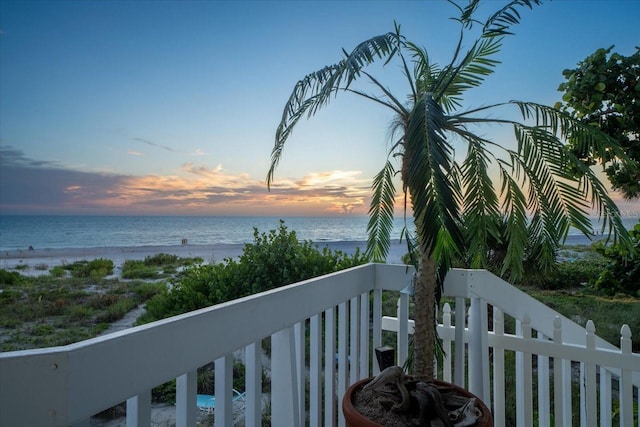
(167, 107)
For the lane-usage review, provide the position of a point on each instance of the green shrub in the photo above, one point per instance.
(135, 269)
(146, 290)
(95, 269)
(575, 273)
(622, 272)
(58, 271)
(80, 313)
(116, 311)
(9, 278)
(161, 260)
(274, 259)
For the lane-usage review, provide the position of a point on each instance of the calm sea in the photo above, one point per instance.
(56, 232)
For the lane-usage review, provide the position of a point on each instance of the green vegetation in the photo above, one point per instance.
(604, 92)
(439, 152)
(622, 272)
(156, 266)
(96, 269)
(58, 309)
(273, 259)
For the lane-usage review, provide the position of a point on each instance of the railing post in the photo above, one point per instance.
(315, 371)
(343, 359)
(299, 342)
(329, 367)
(524, 398)
(458, 368)
(588, 386)
(139, 410)
(626, 381)
(284, 396)
(403, 328)
(498, 369)
(446, 362)
(223, 414)
(475, 349)
(377, 326)
(605, 397)
(364, 336)
(354, 339)
(544, 405)
(561, 415)
(186, 399)
(253, 391)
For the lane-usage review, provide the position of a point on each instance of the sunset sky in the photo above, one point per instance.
(167, 107)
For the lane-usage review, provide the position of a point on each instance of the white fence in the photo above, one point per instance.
(566, 360)
(334, 322)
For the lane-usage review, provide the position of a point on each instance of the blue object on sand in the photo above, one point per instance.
(207, 402)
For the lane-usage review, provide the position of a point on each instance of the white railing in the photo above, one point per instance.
(563, 353)
(335, 319)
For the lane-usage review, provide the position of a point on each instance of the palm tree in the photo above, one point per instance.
(457, 209)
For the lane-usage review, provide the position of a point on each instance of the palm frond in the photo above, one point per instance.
(434, 196)
(381, 214)
(480, 203)
(564, 127)
(500, 22)
(514, 206)
(476, 65)
(586, 137)
(424, 71)
(393, 103)
(315, 90)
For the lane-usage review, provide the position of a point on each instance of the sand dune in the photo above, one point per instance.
(39, 261)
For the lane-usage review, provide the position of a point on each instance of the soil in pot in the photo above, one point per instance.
(379, 406)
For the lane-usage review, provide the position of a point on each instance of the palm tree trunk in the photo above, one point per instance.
(424, 334)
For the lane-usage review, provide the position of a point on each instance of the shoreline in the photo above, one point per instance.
(36, 259)
(40, 261)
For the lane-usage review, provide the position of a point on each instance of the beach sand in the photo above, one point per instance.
(40, 261)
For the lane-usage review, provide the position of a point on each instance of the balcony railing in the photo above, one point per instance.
(322, 333)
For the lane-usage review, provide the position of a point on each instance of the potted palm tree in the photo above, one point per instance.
(456, 207)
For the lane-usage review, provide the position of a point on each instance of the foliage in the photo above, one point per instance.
(156, 266)
(273, 259)
(607, 313)
(604, 91)
(45, 311)
(622, 272)
(573, 274)
(459, 213)
(95, 269)
(136, 269)
(9, 278)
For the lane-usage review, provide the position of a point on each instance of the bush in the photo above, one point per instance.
(575, 273)
(134, 269)
(58, 271)
(274, 259)
(161, 259)
(622, 272)
(9, 278)
(95, 269)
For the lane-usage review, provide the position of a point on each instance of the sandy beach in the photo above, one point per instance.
(39, 261)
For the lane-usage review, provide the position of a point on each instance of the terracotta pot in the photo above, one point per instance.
(354, 418)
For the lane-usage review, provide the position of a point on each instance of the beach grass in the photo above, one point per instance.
(52, 310)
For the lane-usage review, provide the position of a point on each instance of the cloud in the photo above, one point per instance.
(31, 186)
(154, 144)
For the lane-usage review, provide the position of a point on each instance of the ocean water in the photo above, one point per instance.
(57, 232)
